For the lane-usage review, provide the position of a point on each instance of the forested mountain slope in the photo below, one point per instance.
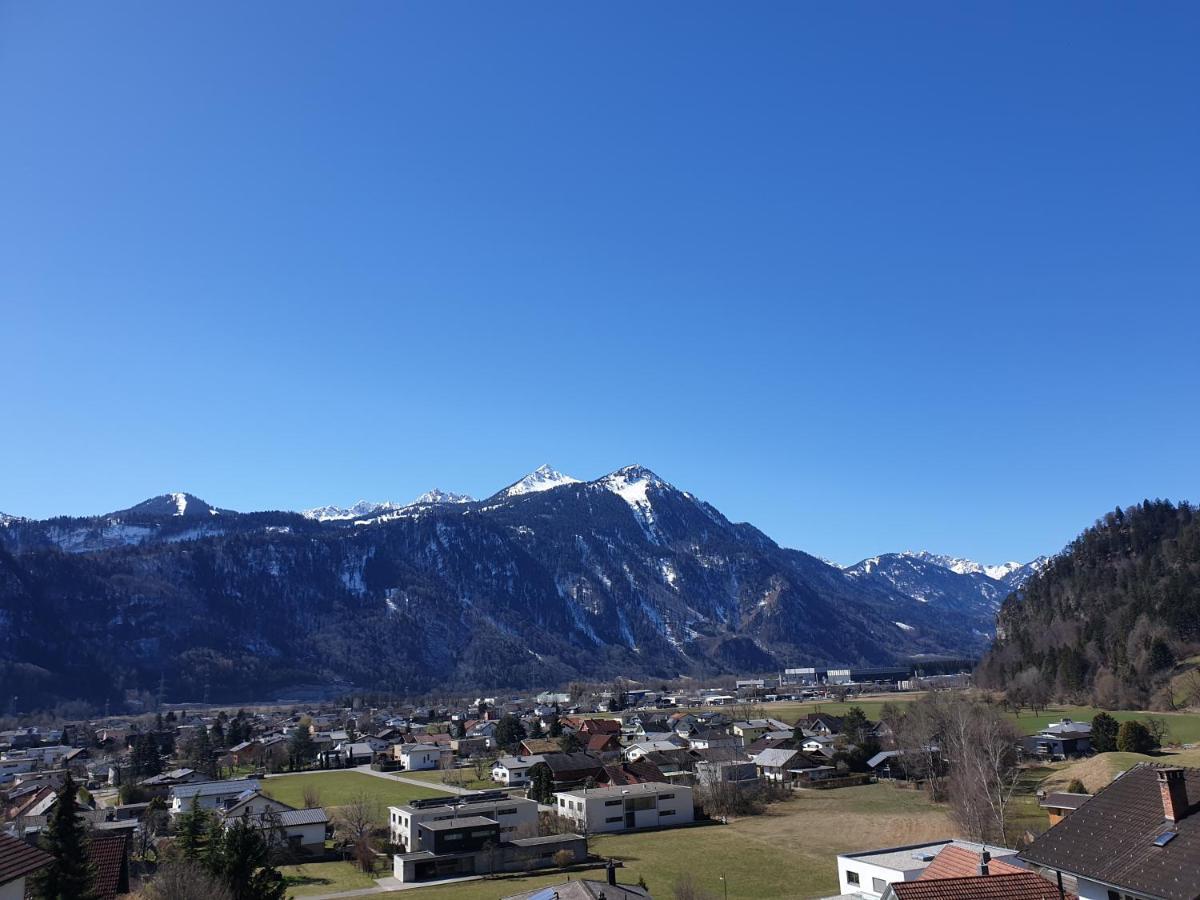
(1109, 616)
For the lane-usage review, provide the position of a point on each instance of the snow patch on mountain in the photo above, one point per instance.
(543, 478)
(370, 509)
(632, 484)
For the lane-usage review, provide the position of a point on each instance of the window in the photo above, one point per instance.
(666, 812)
(452, 837)
(612, 820)
(511, 811)
(666, 796)
(612, 802)
(878, 885)
(851, 877)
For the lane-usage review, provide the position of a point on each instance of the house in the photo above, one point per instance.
(1014, 886)
(821, 724)
(161, 784)
(1059, 805)
(471, 846)
(587, 889)
(302, 830)
(420, 757)
(109, 856)
(636, 751)
(18, 860)
(713, 739)
(867, 874)
(571, 769)
(516, 816)
(953, 861)
(514, 770)
(216, 795)
(773, 764)
(538, 746)
(1060, 740)
(724, 766)
(617, 808)
(11, 768)
(603, 743)
(625, 773)
(1138, 837)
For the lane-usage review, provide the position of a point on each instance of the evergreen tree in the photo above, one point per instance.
(240, 856)
(541, 783)
(192, 832)
(71, 875)
(1104, 733)
(301, 748)
(510, 731)
(556, 728)
(1134, 737)
(569, 742)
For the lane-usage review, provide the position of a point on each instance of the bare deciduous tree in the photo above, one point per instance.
(354, 825)
(184, 880)
(311, 797)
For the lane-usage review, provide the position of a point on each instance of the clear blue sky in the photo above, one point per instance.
(870, 276)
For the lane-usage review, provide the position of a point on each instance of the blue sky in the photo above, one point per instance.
(870, 276)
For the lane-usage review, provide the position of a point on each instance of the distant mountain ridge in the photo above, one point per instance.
(547, 580)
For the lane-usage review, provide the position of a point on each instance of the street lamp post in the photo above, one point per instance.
(725, 885)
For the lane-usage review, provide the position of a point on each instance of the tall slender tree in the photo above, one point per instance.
(71, 875)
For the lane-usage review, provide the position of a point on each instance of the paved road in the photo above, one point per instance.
(385, 885)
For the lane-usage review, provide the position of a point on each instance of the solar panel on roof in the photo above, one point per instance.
(1165, 838)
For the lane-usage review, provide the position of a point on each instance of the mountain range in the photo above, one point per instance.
(549, 579)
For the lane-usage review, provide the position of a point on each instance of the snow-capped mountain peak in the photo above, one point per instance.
(176, 503)
(543, 478)
(1014, 574)
(361, 508)
(6, 519)
(437, 496)
(632, 484)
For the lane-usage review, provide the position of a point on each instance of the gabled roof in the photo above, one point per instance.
(18, 858)
(109, 853)
(1064, 800)
(213, 788)
(959, 862)
(1112, 838)
(1016, 886)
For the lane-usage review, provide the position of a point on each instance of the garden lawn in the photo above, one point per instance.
(1184, 727)
(324, 878)
(336, 789)
(463, 778)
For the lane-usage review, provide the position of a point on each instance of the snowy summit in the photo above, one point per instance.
(543, 478)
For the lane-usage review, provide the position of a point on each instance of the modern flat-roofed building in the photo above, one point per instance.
(654, 804)
(515, 817)
(866, 875)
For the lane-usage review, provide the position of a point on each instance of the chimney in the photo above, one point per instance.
(1174, 793)
(984, 859)
(611, 869)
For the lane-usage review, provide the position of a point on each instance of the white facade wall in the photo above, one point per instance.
(635, 807)
(420, 760)
(872, 879)
(516, 816)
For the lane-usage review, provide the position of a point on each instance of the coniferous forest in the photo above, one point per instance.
(1112, 619)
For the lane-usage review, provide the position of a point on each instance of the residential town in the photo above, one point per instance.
(498, 789)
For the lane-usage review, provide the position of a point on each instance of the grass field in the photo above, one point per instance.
(463, 778)
(324, 878)
(789, 852)
(336, 789)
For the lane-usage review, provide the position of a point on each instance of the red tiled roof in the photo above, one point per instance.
(109, 854)
(18, 858)
(1018, 886)
(959, 862)
(600, 742)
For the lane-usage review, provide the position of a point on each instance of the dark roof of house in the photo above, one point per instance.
(599, 742)
(109, 854)
(18, 858)
(1064, 800)
(571, 763)
(1112, 838)
(959, 862)
(633, 772)
(461, 822)
(1015, 886)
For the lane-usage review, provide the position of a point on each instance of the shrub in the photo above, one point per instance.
(1134, 737)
